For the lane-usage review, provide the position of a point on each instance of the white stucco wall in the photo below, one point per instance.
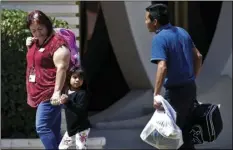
(141, 36)
(228, 67)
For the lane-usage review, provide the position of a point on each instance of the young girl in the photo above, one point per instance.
(75, 104)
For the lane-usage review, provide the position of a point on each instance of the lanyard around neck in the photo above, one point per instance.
(36, 49)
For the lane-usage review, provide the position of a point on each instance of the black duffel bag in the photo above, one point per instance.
(206, 123)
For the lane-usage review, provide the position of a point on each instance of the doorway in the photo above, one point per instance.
(105, 80)
(203, 18)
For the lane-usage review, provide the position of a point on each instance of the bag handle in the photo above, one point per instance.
(167, 107)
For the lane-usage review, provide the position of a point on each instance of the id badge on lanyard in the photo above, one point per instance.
(32, 72)
(32, 75)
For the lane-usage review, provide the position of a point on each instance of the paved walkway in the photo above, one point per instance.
(92, 143)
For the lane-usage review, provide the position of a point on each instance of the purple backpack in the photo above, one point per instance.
(70, 38)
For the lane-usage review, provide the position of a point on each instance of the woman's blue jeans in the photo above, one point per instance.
(48, 124)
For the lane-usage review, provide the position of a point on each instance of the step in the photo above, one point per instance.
(92, 143)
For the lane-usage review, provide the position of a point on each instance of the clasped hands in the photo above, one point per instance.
(58, 99)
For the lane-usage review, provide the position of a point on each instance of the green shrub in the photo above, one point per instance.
(18, 119)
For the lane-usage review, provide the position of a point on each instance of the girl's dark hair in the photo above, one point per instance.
(39, 17)
(81, 75)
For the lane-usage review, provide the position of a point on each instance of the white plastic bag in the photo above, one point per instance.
(161, 131)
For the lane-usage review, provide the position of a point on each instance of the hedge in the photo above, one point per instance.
(18, 119)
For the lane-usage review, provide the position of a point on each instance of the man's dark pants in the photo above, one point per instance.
(182, 99)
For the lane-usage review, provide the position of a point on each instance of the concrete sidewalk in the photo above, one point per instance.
(92, 143)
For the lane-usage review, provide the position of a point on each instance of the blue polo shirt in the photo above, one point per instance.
(174, 45)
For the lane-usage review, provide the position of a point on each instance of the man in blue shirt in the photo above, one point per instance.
(178, 63)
